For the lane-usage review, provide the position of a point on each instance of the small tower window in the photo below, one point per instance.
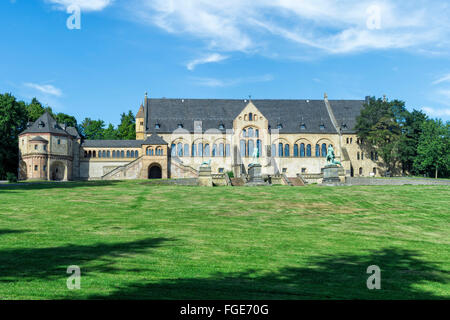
(157, 126)
(280, 126)
(35, 168)
(59, 141)
(180, 126)
(303, 126)
(221, 126)
(322, 127)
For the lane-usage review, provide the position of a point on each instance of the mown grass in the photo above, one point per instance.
(137, 240)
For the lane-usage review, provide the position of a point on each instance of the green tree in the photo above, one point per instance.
(13, 119)
(411, 131)
(63, 118)
(127, 127)
(35, 109)
(110, 133)
(379, 128)
(433, 149)
(92, 129)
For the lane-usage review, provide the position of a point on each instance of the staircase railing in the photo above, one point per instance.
(119, 168)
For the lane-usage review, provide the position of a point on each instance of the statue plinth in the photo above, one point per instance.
(255, 177)
(204, 176)
(331, 174)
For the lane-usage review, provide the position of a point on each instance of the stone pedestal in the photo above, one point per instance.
(205, 177)
(331, 174)
(255, 177)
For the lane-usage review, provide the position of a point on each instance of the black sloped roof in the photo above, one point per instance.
(154, 139)
(290, 114)
(346, 112)
(47, 124)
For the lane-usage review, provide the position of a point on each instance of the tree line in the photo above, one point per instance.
(407, 140)
(15, 115)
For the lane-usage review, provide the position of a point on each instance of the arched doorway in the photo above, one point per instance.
(57, 171)
(154, 172)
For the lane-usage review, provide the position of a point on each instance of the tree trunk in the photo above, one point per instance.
(436, 173)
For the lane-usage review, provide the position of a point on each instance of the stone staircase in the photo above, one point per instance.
(129, 171)
(296, 182)
(181, 169)
(237, 182)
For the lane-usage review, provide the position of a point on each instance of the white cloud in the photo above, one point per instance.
(45, 89)
(85, 5)
(214, 57)
(445, 78)
(328, 26)
(437, 112)
(214, 82)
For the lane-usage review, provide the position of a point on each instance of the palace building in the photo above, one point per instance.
(175, 136)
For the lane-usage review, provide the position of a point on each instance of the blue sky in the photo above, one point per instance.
(279, 49)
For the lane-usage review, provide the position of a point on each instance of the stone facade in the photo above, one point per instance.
(172, 142)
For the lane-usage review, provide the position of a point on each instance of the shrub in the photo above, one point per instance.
(11, 177)
(230, 174)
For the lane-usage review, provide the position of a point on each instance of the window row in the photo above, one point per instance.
(373, 156)
(299, 150)
(113, 154)
(156, 152)
(200, 150)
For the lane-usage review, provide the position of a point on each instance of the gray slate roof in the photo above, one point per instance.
(47, 124)
(39, 138)
(346, 112)
(152, 140)
(291, 114)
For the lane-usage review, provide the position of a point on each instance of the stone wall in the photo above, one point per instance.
(360, 181)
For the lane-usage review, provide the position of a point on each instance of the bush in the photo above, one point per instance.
(11, 177)
(230, 174)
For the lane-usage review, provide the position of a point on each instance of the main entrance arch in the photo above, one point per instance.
(154, 171)
(57, 171)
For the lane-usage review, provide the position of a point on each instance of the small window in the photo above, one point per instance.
(157, 126)
(35, 168)
(360, 171)
(220, 170)
(284, 170)
(250, 116)
(142, 123)
(221, 127)
(279, 126)
(180, 126)
(35, 147)
(45, 168)
(322, 127)
(303, 126)
(59, 141)
(375, 171)
(303, 170)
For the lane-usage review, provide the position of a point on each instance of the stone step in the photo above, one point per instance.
(235, 182)
(296, 182)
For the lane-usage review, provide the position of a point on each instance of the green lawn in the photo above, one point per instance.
(138, 240)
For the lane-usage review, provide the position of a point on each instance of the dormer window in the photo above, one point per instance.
(322, 127)
(279, 126)
(157, 126)
(41, 124)
(302, 126)
(180, 126)
(221, 126)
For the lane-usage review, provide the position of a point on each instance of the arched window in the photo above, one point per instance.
(180, 149)
(295, 150)
(221, 150)
(251, 147)
(244, 133)
(317, 151)
(194, 150)
(362, 155)
(358, 156)
(286, 150)
(242, 147)
(90, 153)
(206, 150)
(257, 133)
(360, 171)
(227, 150)
(173, 150)
(273, 150)
(250, 116)
(259, 147)
(150, 151)
(186, 150)
(250, 132)
(280, 149)
(114, 153)
(200, 149)
(214, 150)
(122, 154)
(128, 153)
(374, 171)
(308, 150)
(132, 153)
(99, 154)
(136, 153)
(324, 149)
(108, 154)
(159, 151)
(104, 154)
(302, 150)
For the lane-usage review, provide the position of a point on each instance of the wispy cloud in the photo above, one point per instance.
(214, 57)
(326, 26)
(45, 89)
(437, 112)
(215, 82)
(85, 5)
(445, 78)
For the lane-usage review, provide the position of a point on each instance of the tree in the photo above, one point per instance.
(35, 109)
(13, 120)
(92, 129)
(379, 128)
(63, 118)
(127, 127)
(433, 149)
(110, 133)
(411, 131)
